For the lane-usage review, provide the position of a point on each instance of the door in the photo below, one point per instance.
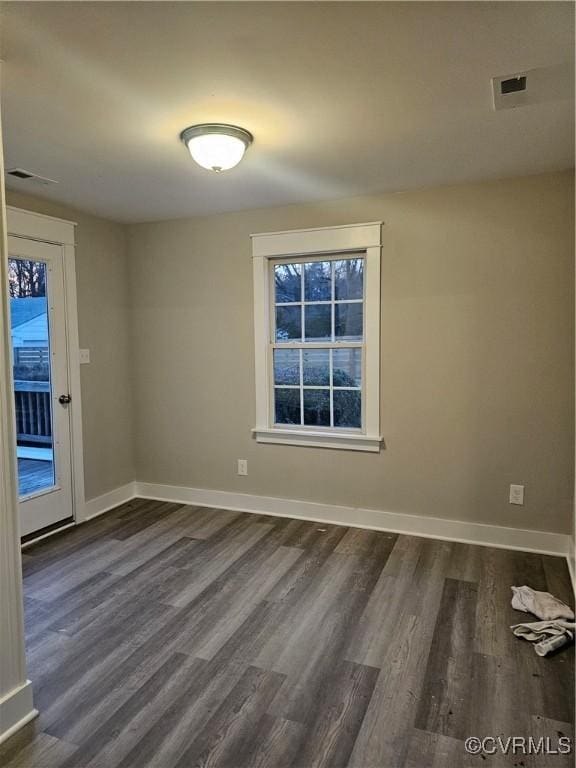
(41, 386)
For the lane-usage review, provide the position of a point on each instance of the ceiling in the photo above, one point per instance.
(343, 99)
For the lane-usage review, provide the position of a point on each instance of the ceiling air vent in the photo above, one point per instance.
(533, 86)
(24, 175)
(20, 173)
(510, 90)
(513, 84)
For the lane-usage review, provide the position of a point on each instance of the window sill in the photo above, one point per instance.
(345, 442)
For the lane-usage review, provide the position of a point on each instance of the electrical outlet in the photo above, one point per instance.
(516, 494)
(84, 356)
(242, 466)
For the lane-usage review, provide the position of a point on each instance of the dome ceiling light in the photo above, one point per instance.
(216, 146)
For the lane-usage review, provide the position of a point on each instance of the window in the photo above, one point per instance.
(317, 329)
(318, 341)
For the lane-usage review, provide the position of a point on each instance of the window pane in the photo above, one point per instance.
(288, 323)
(318, 319)
(347, 408)
(286, 366)
(287, 406)
(288, 283)
(347, 367)
(349, 322)
(317, 367)
(349, 279)
(318, 281)
(317, 407)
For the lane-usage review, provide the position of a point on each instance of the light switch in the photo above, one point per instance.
(84, 356)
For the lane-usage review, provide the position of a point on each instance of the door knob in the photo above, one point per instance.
(65, 399)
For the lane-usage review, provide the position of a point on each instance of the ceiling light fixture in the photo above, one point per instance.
(216, 146)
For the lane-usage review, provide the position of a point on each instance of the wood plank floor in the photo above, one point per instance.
(170, 636)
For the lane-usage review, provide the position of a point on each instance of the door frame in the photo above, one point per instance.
(48, 229)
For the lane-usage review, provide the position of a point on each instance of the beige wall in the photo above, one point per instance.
(102, 281)
(477, 355)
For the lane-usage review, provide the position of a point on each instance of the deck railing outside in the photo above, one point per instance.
(33, 421)
(32, 395)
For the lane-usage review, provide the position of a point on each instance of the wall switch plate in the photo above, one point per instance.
(242, 466)
(84, 356)
(516, 494)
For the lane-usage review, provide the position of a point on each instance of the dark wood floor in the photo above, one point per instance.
(169, 636)
(34, 475)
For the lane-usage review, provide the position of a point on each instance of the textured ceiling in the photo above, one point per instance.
(342, 98)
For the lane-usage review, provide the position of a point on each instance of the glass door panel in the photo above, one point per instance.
(29, 315)
(43, 404)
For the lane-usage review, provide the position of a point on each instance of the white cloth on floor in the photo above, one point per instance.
(542, 604)
(548, 635)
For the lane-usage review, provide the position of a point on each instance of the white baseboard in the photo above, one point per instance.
(106, 502)
(16, 709)
(92, 508)
(542, 542)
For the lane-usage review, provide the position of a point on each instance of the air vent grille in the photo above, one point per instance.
(513, 84)
(534, 86)
(19, 173)
(24, 175)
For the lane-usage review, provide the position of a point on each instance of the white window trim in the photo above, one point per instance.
(364, 238)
